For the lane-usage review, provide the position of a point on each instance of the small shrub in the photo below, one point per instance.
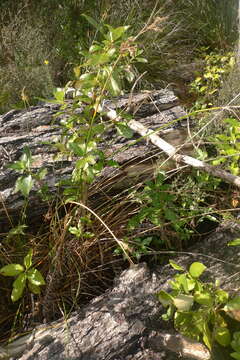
(198, 307)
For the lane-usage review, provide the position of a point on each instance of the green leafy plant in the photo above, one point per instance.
(24, 184)
(25, 273)
(198, 307)
(106, 67)
(173, 209)
(207, 84)
(26, 181)
(228, 146)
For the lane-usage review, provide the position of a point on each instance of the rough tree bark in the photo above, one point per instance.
(36, 126)
(125, 323)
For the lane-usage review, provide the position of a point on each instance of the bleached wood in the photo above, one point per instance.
(171, 151)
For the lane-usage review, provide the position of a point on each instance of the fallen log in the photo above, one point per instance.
(38, 126)
(125, 323)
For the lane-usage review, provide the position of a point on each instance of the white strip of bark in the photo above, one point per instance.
(171, 151)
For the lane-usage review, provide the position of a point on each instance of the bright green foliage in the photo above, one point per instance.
(197, 308)
(105, 68)
(172, 208)
(207, 84)
(24, 274)
(228, 146)
(25, 183)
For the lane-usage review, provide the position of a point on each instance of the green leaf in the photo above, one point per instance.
(75, 231)
(207, 339)
(235, 242)
(11, 270)
(141, 60)
(196, 269)
(185, 282)
(18, 230)
(35, 277)
(18, 287)
(223, 336)
(77, 149)
(59, 95)
(124, 130)
(27, 157)
(115, 34)
(233, 304)
(203, 298)
(24, 184)
(115, 85)
(28, 259)
(98, 59)
(183, 302)
(165, 298)
(41, 174)
(34, 288)
(175, 266)
(17, 165)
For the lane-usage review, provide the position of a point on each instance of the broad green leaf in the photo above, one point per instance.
(175, 266)
(11, 270)
(207, 341)
(77, 149)
(183, 302)
(28, 259)
(223, 336)
(59, 95)
(165, 298)
(18, 287)
(34, 288)
(235, 242)
(35, 277)
(27, 157)
(75, 231)
(141, 59)
(24, 184)
(42, 173)
(17, 165)
(130, 76)
(98, 59)
(124, 130)
(183, 280)
(203, 298)
(115, 34)
(97, 129)
(196, 269)
(115, 85)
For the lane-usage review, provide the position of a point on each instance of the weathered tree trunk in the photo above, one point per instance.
(125, 323)
(36, 126)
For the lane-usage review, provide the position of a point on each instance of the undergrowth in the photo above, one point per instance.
(75, 245)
